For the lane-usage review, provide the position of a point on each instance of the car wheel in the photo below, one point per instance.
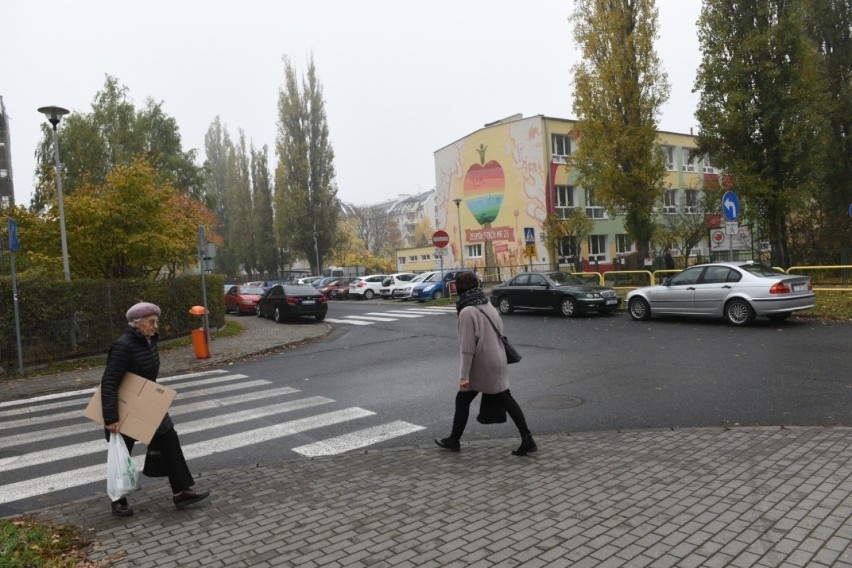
(568, 307)
(739, 312)
(437, 295)
(505, 306)
(639, 309)
(368, 295)
(257, 311)
(320, 317)
(227, 309)
(279, 317)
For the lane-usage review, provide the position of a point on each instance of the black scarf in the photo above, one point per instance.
(472, 297)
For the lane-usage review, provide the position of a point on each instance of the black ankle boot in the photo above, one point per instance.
(527, 446)
(451, 444)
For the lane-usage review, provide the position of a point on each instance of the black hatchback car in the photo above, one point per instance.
(558, 291)
(290, 300)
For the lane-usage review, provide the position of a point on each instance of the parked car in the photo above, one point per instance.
(324, 281)
(290, 300)
(564, 293)
(242, 299)
(438, 288)
(327, 285)
(394, 281)
(735, 291)
(308, 279)
(341, 289)
(403, 292)
(366, 287)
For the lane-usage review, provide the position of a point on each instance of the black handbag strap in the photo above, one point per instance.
(500, 335)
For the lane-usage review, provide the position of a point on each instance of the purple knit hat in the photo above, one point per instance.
(142, 310)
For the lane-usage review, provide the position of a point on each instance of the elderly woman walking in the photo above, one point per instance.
(135, 351)
(483, 364)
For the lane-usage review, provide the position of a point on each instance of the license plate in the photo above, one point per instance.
(800, 287)
(308, 302)
(612, 301)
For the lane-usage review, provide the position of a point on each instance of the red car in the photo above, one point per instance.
(340, 291)
(242, 299)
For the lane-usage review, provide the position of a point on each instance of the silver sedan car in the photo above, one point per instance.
(735, 291)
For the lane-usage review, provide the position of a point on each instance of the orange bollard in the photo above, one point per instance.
(199, 343)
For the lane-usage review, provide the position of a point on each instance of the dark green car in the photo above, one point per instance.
(564, 293)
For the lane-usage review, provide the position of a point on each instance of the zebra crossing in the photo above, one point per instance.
(48, 446)
(371, 318)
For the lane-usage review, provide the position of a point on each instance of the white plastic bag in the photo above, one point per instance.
(122, 477)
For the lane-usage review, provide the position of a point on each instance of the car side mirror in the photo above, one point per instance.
(667, 281)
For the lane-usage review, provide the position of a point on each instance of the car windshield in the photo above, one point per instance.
(256, 290)
(564, 279)
(761, 270)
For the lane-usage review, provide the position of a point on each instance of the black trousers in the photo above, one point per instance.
(506, 400)
(179, 475)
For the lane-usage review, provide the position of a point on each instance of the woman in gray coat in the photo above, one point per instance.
(483, 364)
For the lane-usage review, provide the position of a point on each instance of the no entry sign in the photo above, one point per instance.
(440, 239)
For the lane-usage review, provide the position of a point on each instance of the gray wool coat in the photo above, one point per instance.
(483, 359)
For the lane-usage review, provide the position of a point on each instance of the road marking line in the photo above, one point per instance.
(97, 473)
(359, 439)
(353, 322)
(399, 314)
(369, 318)
(84, 448)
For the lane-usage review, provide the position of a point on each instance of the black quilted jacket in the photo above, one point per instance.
(129, 353)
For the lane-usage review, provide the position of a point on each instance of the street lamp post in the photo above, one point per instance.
(54, 114)
(458, 201)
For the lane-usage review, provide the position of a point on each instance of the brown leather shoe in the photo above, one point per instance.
(188, 497)
(121, 508)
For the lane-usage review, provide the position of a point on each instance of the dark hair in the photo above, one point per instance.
(466, 281)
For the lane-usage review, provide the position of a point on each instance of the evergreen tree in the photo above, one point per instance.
(619, 90)
(306, 204)
(761, 108)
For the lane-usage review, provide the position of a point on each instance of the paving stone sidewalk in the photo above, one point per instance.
(742, 497)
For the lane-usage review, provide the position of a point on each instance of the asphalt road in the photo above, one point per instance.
(388, 373)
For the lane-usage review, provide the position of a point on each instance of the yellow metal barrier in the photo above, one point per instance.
(595, 274)
(843, 279)
(616, 275)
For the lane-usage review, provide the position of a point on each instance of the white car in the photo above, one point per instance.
(394, 281)
(367, 287)
(308, 280)
(404, 292)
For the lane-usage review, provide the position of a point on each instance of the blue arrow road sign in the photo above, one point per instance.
(14, 244)
(730, 206)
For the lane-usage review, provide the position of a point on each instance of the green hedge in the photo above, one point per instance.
(63, 320)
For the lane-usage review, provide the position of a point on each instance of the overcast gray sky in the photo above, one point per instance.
(400, 79)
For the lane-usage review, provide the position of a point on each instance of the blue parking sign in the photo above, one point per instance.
(14, 244)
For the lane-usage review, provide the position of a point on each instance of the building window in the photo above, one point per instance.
(564, 201)
(688, 163)
(708, 167)
(474, 251)
(4, 174)
(670, 202)
(669, 156)
(412, 258)
(400, 260)
(623, 244)
(566, 250)
(425, 257)
(691, 202)
(561, 148)
(597, 248)
(593, 208)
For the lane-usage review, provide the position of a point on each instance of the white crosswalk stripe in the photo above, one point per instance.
(48, 446)
(370, 318)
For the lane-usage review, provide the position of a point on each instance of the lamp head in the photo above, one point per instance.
(54, 114)
(457, 200)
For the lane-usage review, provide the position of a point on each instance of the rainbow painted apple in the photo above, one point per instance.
(484, 186)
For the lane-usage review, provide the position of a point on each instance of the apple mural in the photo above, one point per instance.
(484, 186)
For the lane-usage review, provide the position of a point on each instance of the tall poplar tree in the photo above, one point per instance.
(239, 205)
(219, 151)
(762, 108)
(306, 204)
(619, 89)
(265, 251)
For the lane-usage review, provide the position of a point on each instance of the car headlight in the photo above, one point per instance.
(593, 295)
